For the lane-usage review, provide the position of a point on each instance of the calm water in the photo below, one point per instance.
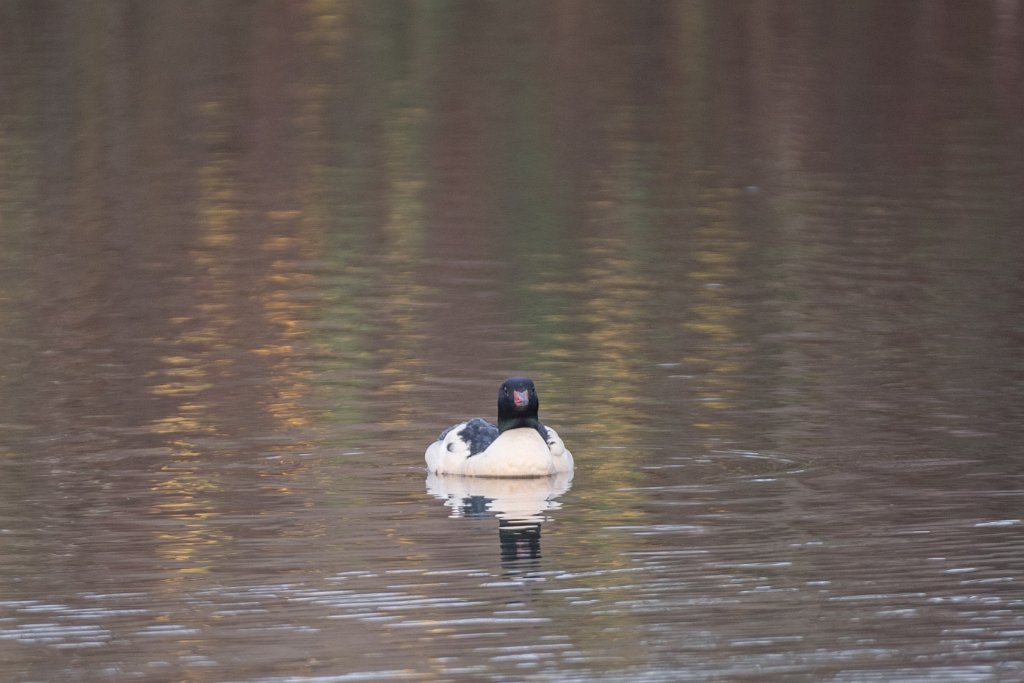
(764, 261)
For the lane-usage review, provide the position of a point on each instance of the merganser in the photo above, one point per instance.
(519, 446)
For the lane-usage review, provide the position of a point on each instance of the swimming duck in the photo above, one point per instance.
(519, 446)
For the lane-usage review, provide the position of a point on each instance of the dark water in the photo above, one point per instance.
(764, 261)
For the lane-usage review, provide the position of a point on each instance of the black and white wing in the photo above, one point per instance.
(468, 438)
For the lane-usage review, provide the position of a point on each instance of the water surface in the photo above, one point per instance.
(763, 262)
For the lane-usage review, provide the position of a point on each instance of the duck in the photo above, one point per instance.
(520, 445)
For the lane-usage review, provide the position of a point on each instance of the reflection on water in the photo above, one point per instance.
(518, 504)
(763, 257)
(512, 500)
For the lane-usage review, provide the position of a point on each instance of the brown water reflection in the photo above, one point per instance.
(762, 259)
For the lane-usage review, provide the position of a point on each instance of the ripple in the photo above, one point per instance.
(354, 677)
(998, 523)
(57, 635)
(174, 630)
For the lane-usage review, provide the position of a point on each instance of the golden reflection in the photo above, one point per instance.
(178, 424)
(181, 377)
(404, 330)
(618, 292)
(232, 373)
(285, 314)
(178, 389)
(217, 212)
(188, 500)
(711, 327)
(326, 26)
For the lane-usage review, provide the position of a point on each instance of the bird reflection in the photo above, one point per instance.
(518, 541)
(520, 506)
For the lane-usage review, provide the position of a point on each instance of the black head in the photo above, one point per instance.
(517, 403)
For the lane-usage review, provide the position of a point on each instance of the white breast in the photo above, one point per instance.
(515, 453)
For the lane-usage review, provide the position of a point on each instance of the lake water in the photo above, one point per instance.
(763, 260)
